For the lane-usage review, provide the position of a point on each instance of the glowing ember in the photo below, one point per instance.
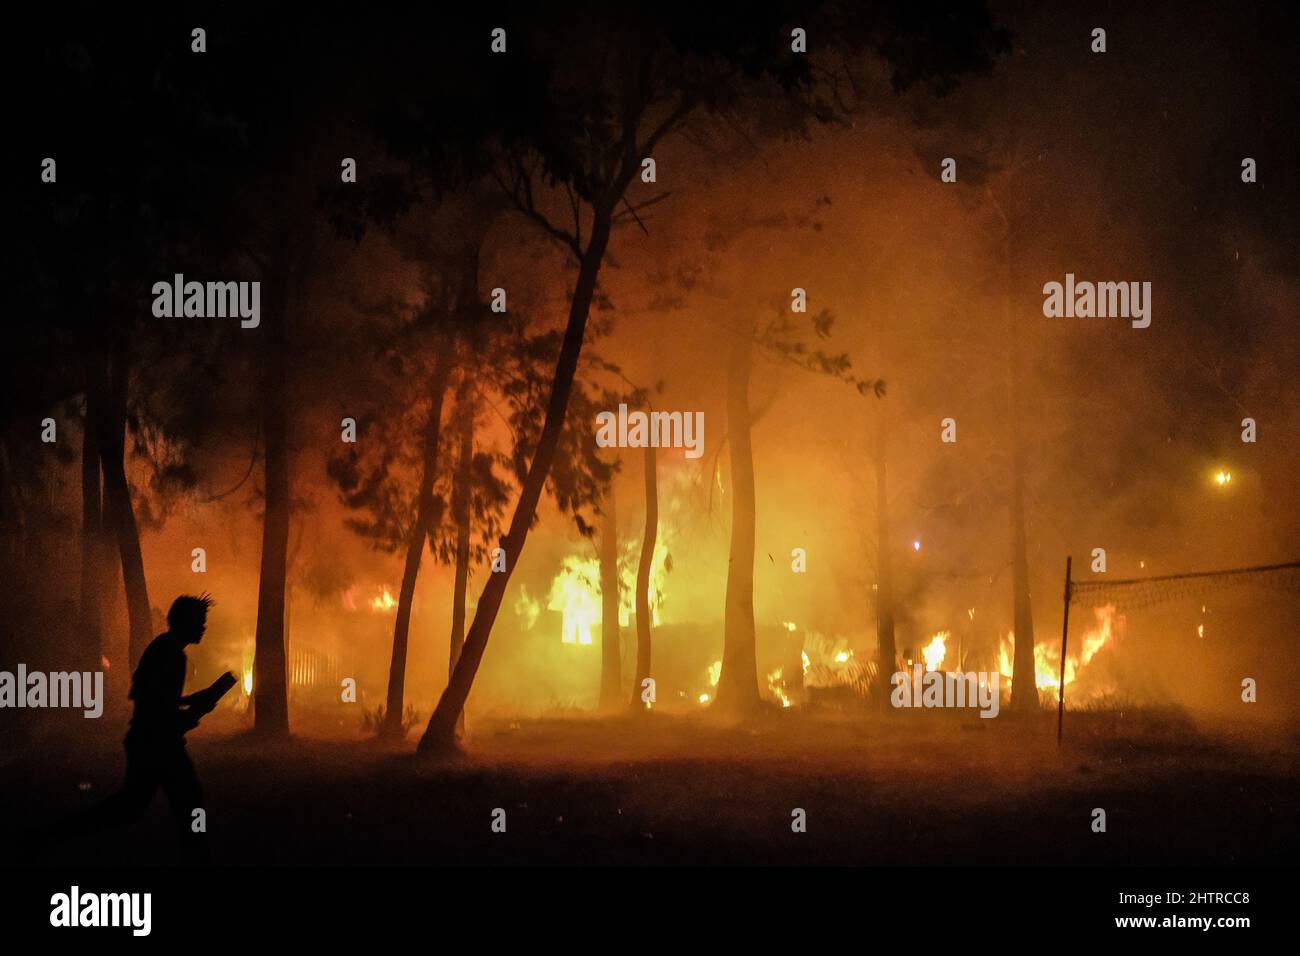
(934, 652)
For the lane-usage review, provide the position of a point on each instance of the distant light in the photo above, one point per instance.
(916, 545)
(704, 698)
(1142, 564)
(1200, 630)
(1224, 478)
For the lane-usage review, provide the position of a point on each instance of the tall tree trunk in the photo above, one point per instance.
(117, 495)
(460, 504)
(270, 686)
(92, 518)
(643, 569)
(886, 650)
(1024, 689)
(738, 683)
(611, 674)
(440, 734)
(427, 516)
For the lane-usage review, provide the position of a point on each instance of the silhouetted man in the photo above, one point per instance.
(155, 742)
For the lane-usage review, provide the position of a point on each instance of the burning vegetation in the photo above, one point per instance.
(673, 382)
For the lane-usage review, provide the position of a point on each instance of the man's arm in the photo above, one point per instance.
(205, 701)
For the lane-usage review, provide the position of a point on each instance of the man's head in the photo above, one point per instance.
(188, 617)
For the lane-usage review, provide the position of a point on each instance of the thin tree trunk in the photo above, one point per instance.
(738, 683)
(117, 494)
(611, 673)
(643, 621)
(440, 734)
(887, 651)
(92, 518)
(427, 516)
(460, 508)
(270, 686)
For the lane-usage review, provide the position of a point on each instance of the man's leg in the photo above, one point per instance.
(127, 805)
(181, 784)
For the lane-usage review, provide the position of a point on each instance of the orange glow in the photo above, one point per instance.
(934, 652)
(1047, 657)
(384, 602)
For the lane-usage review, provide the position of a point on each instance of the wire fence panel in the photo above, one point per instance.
(1136, 593)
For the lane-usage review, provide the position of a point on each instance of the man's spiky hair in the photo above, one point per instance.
(188, 609)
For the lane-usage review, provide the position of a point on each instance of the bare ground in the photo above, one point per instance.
(916, 788)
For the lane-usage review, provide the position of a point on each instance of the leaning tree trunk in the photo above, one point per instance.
(886, 650)
(460, 504)
(427, 516)
(611, 674)
(738, 683)
(643, 575)
(117, 495)
(270, 687)
(441, 732)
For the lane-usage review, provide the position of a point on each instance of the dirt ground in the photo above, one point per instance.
(920, 788)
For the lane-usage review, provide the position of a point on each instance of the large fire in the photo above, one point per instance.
(1047, 656)
(575, 591)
